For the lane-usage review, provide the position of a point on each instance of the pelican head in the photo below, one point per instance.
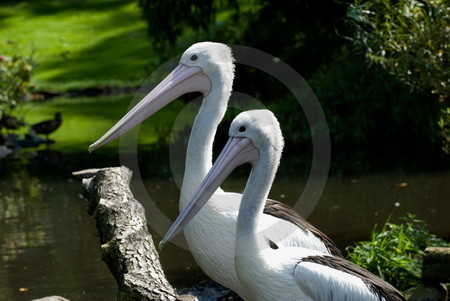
(204, 67)
(215, 59)
(261, 127)
(254, 136)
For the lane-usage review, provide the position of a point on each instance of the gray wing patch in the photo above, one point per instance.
(283, 211)
(380, 287)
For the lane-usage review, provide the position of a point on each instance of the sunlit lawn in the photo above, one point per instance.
(79, 43)
(86, 119)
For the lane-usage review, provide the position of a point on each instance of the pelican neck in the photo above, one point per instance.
(200, 144)
(252, 205)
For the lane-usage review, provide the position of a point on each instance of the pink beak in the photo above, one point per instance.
(236, 152)
(181, 80)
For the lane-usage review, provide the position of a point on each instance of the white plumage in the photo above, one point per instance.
(208, 67)
(269, 271)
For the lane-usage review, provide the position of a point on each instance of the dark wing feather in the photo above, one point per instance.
(376, 284)
(285, 212)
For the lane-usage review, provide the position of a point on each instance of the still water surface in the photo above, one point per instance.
(48, 243)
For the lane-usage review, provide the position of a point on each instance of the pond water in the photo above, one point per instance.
(48, 243)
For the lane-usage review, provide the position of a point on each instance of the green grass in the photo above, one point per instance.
(79, 43)
(86, 119)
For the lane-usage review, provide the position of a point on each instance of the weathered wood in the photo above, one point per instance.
(127, 246)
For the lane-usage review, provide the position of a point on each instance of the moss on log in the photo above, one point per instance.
(436, 265)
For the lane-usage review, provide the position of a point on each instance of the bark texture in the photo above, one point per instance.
(127, 246)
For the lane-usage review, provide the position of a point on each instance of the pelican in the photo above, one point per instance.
(209, 68)
(269, 271)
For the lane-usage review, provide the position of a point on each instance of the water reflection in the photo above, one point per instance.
(47, 241)
(19, 215)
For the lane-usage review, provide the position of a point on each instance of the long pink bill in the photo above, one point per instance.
(236, 152)
(181, 80)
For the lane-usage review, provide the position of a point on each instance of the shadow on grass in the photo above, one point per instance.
(41, 8)
(47, 7)
(118, 57)
(126, 55)
(7, 11)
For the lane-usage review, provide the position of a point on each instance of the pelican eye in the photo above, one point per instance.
(194, 58)
(273, 245)
(242, 129)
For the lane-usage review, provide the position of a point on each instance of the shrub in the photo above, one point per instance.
(444, 125)
(409, 38)
(395, 253)
(15, 75)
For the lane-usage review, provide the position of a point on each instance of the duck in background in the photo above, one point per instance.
(47, 127)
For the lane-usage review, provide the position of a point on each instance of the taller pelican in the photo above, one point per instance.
(209, 68)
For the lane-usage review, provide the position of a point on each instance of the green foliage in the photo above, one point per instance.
(355, 98)
(395, 252)
(289, 29)
(444, 125)
(169, 19)
(410, 38)
(15, 77)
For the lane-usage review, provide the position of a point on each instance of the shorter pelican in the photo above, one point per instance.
(266, 270)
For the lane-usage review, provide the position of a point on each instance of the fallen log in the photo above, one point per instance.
(127, 246)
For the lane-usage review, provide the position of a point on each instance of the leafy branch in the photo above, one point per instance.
(409, 38)
(15, 79)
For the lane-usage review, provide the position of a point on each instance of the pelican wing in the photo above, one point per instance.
(326, 277)
(283, 211)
